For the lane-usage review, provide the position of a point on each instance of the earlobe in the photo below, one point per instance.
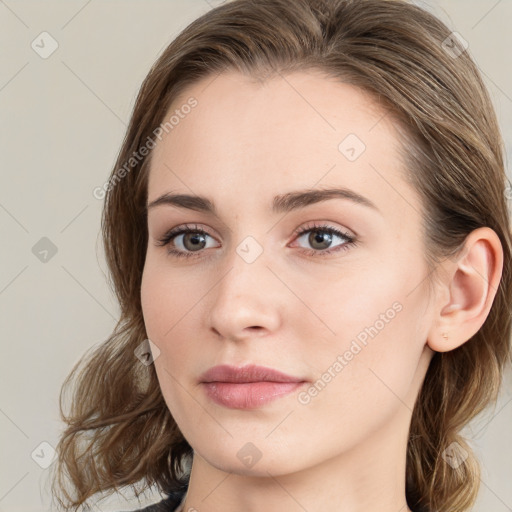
(471, 280)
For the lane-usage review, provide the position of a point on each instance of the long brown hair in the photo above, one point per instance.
(119, 431)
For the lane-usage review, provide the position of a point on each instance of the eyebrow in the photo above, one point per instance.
(281, 203)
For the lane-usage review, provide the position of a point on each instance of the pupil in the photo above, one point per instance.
(319, 238)
(195, 238)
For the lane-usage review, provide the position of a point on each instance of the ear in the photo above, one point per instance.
(468, 288)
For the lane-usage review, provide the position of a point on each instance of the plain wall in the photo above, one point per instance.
(62, 122)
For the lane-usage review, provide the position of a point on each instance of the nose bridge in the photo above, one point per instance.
(247, 263)
(247, 271)
(243, 296)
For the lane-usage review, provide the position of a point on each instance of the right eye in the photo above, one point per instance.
(190, 240)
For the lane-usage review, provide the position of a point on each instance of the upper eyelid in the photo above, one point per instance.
(324, 225)
(151, 215)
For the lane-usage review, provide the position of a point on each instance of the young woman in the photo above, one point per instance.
(308, 235)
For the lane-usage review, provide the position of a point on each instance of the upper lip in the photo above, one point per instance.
(248, 373)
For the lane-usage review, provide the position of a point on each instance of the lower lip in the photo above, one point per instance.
(248, 395)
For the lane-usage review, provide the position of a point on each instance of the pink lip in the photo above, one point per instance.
(248, 387)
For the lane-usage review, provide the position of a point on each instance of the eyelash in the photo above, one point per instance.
(350, 240)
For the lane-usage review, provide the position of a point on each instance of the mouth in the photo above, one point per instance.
(248, 387)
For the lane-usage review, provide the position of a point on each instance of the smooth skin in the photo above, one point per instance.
(293, 308)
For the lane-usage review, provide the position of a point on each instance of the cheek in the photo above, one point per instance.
(377, 300)
(363, 381)
(168, 306)
(151, 296)
(375, 341)
(165, 298)
(162, 310)
(349, 305)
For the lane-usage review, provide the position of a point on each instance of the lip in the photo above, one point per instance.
(247, 387)
(245, 374)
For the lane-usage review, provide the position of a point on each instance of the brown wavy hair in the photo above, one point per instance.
(119, 430)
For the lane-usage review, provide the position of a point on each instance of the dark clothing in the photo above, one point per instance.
(172, 502)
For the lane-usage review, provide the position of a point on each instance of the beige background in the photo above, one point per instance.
(62, 122)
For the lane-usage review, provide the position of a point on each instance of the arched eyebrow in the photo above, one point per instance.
(282, 203)
(302, 198)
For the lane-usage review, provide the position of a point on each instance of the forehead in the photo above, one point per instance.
(298, 106)
(289, 132)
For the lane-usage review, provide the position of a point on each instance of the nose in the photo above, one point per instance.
(247, 301)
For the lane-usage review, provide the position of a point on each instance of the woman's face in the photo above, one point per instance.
(342, 307)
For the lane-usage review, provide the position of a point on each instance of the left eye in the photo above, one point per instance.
(320, 238)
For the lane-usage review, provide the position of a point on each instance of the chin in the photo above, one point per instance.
(258, 459)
